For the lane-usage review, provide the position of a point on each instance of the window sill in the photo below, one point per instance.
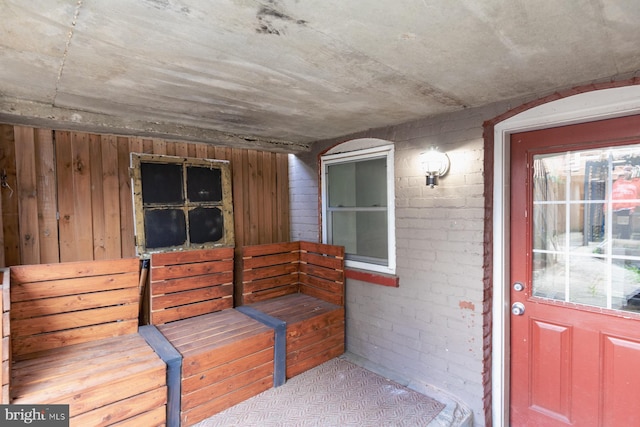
(381, 279)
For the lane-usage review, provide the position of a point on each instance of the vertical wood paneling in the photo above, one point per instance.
(47, 197)
(86, 179)
(127, 233)
(74, 200)
(111, 196)
(97, 197)
(64, 165)
(136, 145)
(160, 147)
(10, 223)
(181, 149)
(240, 194)
(268, 198)
(237, 168)
(105, 197)
(254, 188)
(202, 151)
(27, 194)
(282, 197)
(222, 153)
(191, 150)
(147, 146)
(82, 206)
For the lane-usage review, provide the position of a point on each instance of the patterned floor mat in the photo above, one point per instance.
(336, 393)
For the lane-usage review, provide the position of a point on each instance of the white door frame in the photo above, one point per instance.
(583, 107)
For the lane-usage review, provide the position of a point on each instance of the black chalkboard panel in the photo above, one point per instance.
(204, 184)
(164, 228)
(161, 183)
(206, 225)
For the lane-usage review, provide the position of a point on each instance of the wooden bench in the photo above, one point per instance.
(302, 284)
(74, 341)
(226, 356)
(5, 304)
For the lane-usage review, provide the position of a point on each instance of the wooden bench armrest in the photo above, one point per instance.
(280, 344)
(173, 359)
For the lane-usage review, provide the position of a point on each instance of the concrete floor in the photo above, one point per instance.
(346, 391)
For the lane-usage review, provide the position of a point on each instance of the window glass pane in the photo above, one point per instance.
(363, 234)
(362, 183)
(204, 184)
(342, 185)
(343, 231)
(586, 227)
(164, 228)
(205, 225)
(371, 183)
(161, 183)
(372, 235)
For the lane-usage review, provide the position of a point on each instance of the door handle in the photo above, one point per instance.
(517, 309)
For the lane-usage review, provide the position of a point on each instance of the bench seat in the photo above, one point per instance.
(77, 374)
(302, 284)
(225, 356)
(314, 329)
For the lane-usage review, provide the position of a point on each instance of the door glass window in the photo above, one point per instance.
(586, 227)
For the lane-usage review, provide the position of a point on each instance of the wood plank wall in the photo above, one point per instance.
(83, 179)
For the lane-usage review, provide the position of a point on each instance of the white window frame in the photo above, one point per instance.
(386, 151)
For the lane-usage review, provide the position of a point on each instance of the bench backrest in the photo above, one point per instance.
(322, 271)
(277, 269)
(190, 283)
(54, 305)
(5, 304)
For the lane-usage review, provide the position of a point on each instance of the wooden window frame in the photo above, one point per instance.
(226, 205)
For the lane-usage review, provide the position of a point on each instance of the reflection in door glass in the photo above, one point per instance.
(586, 227)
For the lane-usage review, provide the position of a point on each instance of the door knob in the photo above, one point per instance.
(517, 309)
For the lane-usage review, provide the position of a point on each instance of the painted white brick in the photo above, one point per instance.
(428, 330)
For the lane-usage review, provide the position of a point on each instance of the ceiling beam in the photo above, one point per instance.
(40, 115)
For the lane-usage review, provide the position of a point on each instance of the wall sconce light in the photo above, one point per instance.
(435, 164)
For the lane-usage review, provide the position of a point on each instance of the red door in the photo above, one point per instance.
(575, 275)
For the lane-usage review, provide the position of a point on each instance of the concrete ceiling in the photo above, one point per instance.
(280, 74)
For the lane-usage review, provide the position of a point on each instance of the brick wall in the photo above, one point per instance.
(435, 329)
(303, 197)
(429, 330)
